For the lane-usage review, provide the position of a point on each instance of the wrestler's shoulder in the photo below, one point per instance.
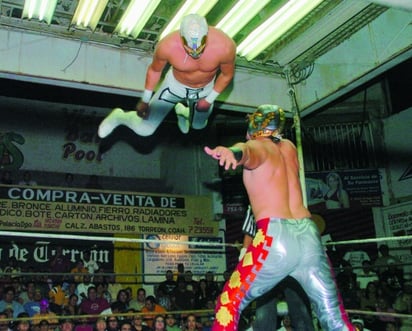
(171, 40)
(218, 34)
(286, 143)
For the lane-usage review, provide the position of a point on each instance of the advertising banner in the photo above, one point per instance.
(38, 254)
(48, 209)
(197, 254)
(343, 189)
(396, 221)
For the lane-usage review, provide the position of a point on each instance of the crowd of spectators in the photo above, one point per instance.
(379, 286)
(79, 298)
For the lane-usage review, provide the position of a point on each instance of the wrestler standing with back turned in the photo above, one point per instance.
(287, 241)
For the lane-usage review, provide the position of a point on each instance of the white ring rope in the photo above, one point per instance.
(175, 242)
(111, 239)
(364, 241)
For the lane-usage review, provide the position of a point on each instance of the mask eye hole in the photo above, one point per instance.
(195, 53)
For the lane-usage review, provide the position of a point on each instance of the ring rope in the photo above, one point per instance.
(110, 239)
(370, 240)
(378, 314)
(180, 242)
(197, 312)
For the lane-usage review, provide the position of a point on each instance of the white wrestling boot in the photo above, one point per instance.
(183, 114)
(118, 117)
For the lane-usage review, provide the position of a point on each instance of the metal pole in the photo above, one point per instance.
(296, 122)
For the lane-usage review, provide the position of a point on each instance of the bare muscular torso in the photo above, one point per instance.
(219, 53)
(273, 186)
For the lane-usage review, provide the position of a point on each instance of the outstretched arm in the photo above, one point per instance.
(250, 154)
(228, 157)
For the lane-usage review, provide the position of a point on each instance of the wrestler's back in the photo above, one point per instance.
(196, 72)
(274, 187)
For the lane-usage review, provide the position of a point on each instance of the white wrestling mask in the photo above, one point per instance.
(193, 31)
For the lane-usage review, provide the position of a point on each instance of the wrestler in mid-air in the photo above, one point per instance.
(195, 53)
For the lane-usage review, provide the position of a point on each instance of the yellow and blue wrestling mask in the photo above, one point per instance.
(266, 121)
(193, 31)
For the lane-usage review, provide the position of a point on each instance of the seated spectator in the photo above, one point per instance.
(391, 326)
(27, 294)
(366, 275)
(116, 307)
(369, 297)
(137, 322)
(4, 324)
(113, 287)
(45, 314)
(207, 319)
(78, 272)
(140, 300)
(202, 295)
(10, 303)
(67, 324)
(159, 323)
(403, 305)
(191, 323)
(23, 323)
(93, 305)
(190, 281)
(112, 323)
(82, 288)
(359, 324)
(381, 263)
(129, 293)
(83, 324)
(212, 286)
(151, 307)
(100, 324)
(33, 307)
(72, 308)
(102, 292)
(383, 306)
(392, 281)
(347, 284)
(123, 298)
(286, 324)
(355, 257)
(163, 299)
(182, 297)
(43, 326)
(126, 325)
(169, 284)
(171, 323)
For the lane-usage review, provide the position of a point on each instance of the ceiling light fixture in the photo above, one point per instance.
(88, 13)
(135, 17)
(43, 10)
(200, 7)
(274, 27)
(239, 15)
